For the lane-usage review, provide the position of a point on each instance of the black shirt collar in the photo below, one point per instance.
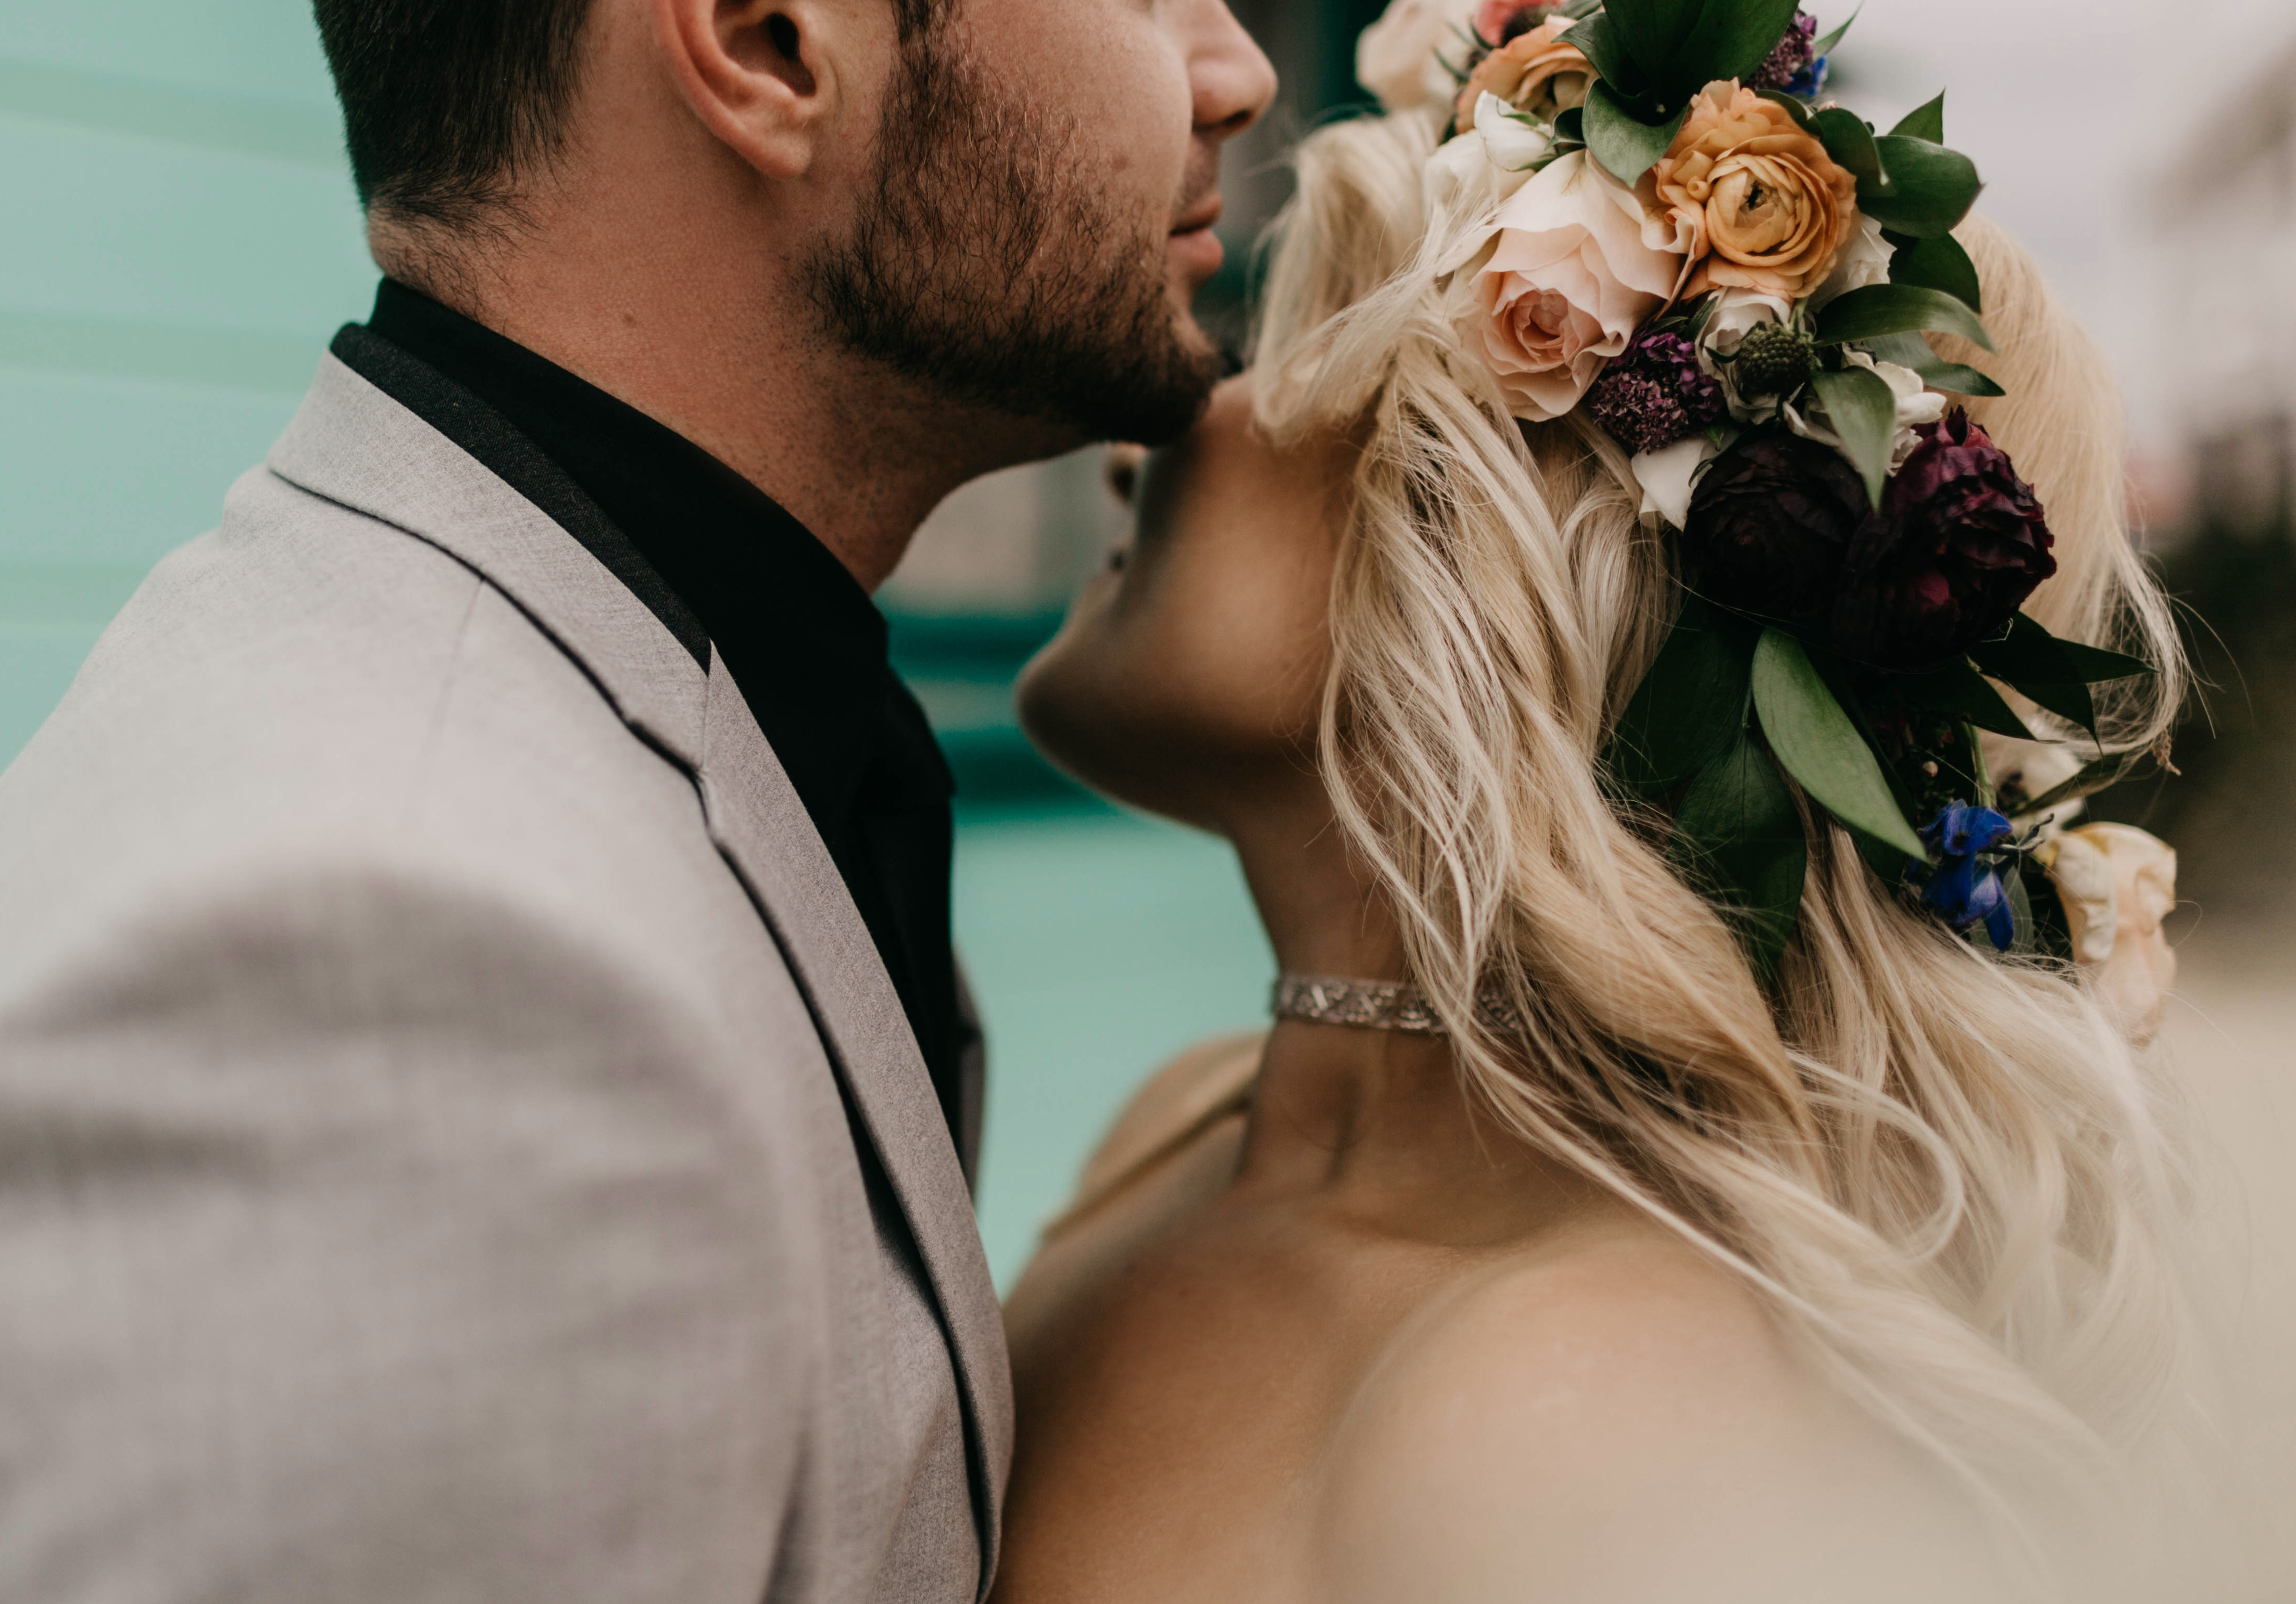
(719, 563)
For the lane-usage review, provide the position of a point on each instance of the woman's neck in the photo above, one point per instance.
(1379, 1120)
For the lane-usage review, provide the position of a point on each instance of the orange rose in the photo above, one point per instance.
(1536, 73)
(1748, 197)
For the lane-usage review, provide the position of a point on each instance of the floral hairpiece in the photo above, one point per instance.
(1650, 217)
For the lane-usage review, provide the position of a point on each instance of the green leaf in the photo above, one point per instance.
(2020, 907)
(1796, 107)
(1737, 830)
(2093, 777)
(1851, 142)
(1624, 146)
(1571, 127)
(1690, 705)
(1934, 188)
(1881, 309)
(1732, 40)
(1817, 744)
(1925, 122)
(1864, 413)
(1597, 39)
(1939, 264)
(1653, 30)
(1959, 689)
(1825, 46)
(2037, 663)
(1958, 379)
(1912, 351)
(2098, 667)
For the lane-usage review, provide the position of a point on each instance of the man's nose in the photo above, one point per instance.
(1232, 78)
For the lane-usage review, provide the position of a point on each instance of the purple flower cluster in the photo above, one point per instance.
(1655, 393)
(1794, 67)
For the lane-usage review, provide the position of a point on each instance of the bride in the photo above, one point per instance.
(1542, 1249)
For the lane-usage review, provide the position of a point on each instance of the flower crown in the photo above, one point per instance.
(1655, 221)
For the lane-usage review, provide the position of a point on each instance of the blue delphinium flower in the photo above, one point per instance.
(1962, 891)
(1795, 66)
(1810, 83)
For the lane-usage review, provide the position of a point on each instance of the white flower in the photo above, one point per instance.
(1401, 58)
(1736, 314)
(1917, 405)
(1559, 287)
(2116, 884)
(1668, 475)
(1865, 261)
(1487, 163)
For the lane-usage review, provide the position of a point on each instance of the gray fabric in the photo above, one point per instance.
(456, 1139)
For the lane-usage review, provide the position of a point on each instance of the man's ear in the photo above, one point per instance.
(767, 77)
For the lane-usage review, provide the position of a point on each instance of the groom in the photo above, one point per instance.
(486, 1096)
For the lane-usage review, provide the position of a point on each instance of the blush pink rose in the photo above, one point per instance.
(1563, 285)
(1493, 18)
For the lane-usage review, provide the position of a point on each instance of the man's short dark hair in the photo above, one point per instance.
(448, 103)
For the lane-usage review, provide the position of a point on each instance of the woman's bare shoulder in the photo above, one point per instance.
(1211, 1080)
(1617, 1415)
(1173, 1147)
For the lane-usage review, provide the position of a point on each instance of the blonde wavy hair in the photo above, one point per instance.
(1944, 1172)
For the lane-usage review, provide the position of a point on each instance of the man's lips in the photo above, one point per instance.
(1192, 242)
(1203, 214)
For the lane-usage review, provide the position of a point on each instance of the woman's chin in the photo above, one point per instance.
(1073, 713)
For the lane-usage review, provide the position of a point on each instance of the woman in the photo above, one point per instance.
(1636, 1277)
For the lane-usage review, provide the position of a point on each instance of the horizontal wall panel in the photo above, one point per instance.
(123, 348)
(304, 132)
(261, 49)
(119, 472)
(131, 227)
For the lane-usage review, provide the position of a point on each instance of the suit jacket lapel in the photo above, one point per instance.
(762, 828)
(353, 444)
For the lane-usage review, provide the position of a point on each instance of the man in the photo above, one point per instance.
(484, 1089)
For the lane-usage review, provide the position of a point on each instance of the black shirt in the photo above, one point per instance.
(717, 560)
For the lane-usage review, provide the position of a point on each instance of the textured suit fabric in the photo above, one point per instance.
(457, 1141)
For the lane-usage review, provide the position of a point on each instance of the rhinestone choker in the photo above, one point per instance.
(1378, 1005)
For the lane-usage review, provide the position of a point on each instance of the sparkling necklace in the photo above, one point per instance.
(1379, 1005)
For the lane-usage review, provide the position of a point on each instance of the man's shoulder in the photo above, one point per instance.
(309, 684)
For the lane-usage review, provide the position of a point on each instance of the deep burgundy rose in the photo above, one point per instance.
(1770, 524)
(1960, 543)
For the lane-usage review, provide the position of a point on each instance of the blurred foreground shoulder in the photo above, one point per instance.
(1612, 1418)
(381, 1233)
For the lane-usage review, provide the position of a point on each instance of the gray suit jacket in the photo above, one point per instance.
(457, 1141)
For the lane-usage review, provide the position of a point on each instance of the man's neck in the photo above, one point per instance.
(857, 453)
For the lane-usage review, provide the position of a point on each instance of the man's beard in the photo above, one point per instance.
(990, 267)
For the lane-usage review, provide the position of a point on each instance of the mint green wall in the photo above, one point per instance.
(181, 240)
(177, 241)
